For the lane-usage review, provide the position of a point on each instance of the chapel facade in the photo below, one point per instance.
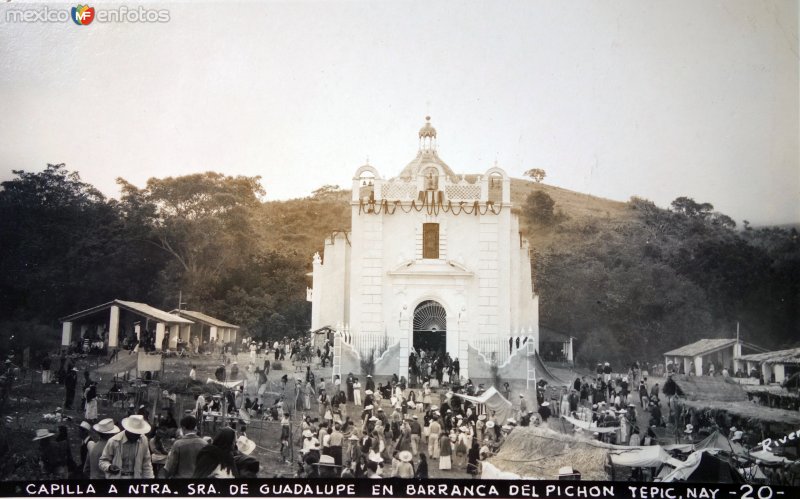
(434, 261)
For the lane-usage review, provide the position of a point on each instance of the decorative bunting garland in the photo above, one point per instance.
(434, 207)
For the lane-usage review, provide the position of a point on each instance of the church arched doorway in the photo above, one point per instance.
(430, 327)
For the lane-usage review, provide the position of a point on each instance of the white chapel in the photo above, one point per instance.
(434, 261)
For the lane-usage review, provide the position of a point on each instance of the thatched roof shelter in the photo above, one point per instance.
(533, 452)
(748, 410)
(708, 388)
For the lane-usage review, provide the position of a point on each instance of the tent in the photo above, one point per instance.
(493, 402)
(719, 441)
(701, 466)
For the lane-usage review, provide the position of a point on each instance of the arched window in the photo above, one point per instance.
(496, 188)
(430, 240)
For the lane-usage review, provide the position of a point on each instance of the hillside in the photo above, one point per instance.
(617, 273)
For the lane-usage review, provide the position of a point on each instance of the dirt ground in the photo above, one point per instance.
(30, 400)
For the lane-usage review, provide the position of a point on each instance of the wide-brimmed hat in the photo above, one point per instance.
(245, 445)
(106, 426)
(490, 424)
(733, 429)
(43, 433)
(352, 437)
(307, 433)
(545, 404)
(85, 425)
(136, 424)
(511, 421)
(482, 417)
(369, 375)
(368, 392)
(404, 456)
(376, 458)
(463, 428)
(434, 407)
(373, 418)
(506, 427)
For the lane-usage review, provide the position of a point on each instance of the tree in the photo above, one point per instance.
(202, 221)
(539, 208)
(691, 208)
(327, 192)
(537, 174)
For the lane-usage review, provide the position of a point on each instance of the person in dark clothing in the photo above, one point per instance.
(216, 460)
(422, 468)
(70, 382)
(544, 411)
(472, 459)
(350, 391)
(220, 373)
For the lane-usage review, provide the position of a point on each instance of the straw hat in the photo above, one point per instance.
(482, 417)
(136, 424)
(733, 429)
(326, 459)
(490, 424)
(511, 421)
(369, 375)
(434, 407)
(352, 437)
(505, 427)
(404, 456)
(737, 435)
(86, 426)
(106, 426)
(415, 416)
(380, 409)
(463, 428)
(545, 404)
(307, 433)
(376, 458)
(368, 392)
(245, 445)
(373, 418)
(42, 433)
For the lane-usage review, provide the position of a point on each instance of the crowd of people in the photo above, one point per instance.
(136, 450)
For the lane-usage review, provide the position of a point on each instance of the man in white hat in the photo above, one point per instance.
(105, 429)
(183, 454)
(127, 454)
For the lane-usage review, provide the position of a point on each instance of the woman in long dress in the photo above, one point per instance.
(445, 451)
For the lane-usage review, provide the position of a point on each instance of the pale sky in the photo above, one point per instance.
(612, 98)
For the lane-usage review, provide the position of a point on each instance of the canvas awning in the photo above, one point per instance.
(226, 384)
(585, 425)
(649, 456)
(493, 401)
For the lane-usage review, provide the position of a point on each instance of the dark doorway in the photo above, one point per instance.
(430, 327)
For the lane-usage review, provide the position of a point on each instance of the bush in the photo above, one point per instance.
(368, 363)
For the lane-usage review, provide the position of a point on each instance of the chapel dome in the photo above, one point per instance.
(427, 129)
